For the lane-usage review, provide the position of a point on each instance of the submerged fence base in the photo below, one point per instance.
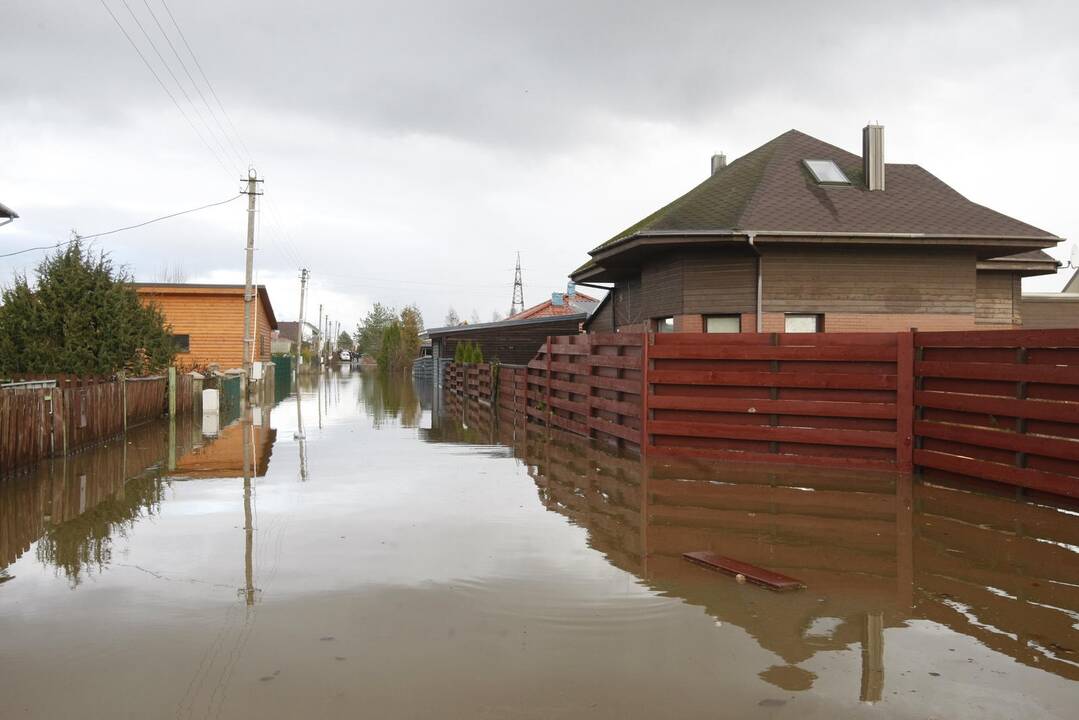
(995, 405)
(54, 416)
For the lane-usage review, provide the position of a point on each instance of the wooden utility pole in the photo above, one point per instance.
(299, 326)
(249, 293)
(318, 349)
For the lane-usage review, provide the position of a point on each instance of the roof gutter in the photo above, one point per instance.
(821, 234)
(752, 238)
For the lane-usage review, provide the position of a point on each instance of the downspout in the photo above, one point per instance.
(752, 237)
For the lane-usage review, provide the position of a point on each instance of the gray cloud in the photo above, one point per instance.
(411, 148)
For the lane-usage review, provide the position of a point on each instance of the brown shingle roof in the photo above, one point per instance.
(769, 189)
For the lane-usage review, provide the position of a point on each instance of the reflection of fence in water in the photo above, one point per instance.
(880, 548)
(71, 506)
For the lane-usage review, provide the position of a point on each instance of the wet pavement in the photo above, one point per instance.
(359, 552)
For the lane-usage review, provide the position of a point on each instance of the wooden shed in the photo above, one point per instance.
(208, 321)
(508, 341)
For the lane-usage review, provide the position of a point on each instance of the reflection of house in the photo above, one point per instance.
(875, 550)
(208, 321)
(224, 455)
(800, 235)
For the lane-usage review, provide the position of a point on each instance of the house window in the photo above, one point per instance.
(182, 343)
(664, 324)
(723, 323)
(803, 323)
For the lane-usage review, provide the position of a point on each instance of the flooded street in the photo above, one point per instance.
(394, 557)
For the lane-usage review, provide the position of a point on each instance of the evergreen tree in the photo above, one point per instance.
(370, 332)
(81, 316)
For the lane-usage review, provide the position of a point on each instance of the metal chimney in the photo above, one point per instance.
(571, 289)
(873, 156)
(719, 161)
(557, 299)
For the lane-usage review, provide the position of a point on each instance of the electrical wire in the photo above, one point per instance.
(213, 92)
(198, 90)
(157, 77)
(79, 238)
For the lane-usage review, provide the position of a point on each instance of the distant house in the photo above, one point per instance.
(1072, 285)
(287, 332)
(800, 235)
(571, 302)
(208, 321)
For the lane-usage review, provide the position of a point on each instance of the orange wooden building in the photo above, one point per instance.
(208, 321)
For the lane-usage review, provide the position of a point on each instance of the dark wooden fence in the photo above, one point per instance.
(48, 417)
(812, 399)
(995, 405)
(999, 405)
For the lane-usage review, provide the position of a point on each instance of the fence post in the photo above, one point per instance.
(172, 391)
(122, 377)
(548, 381)
(646, 340)
(904, 402)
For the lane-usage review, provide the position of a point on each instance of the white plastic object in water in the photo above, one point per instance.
(210, 401)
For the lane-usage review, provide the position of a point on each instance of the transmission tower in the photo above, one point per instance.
(518, 290)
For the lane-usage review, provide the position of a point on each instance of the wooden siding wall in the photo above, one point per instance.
(1051, 312)
(628, 305)
(997, 299)
(215, 323)
(847, 280)
(719, 283)
(662, 286)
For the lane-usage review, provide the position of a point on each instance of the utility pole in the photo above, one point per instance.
(249, 293)
(299, 329)
(318, 349)
(518, 303)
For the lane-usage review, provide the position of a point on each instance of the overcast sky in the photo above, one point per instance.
(411, 149)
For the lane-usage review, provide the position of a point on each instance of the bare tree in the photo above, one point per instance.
(170, 273)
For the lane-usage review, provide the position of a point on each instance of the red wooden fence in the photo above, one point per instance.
(813, 399)
(993, 405)
(999, 405)
(40, 422)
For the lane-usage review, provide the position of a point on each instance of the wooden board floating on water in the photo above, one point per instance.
(752, 573)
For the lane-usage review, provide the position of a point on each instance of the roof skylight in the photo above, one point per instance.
(826, 172)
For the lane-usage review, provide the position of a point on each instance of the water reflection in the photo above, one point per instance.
(74, 507)
(876, 552)
(391, 396)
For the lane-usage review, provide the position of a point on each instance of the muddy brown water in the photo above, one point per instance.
(403, 557)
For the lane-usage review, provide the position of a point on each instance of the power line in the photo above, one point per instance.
(78, 237)
(160, 82)
(183, 66)
(168, 68)
(213, 92)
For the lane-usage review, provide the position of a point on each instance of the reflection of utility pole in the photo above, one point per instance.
(249, 530)
(873, 657)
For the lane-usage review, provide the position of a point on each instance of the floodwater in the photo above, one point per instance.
(358, 553)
